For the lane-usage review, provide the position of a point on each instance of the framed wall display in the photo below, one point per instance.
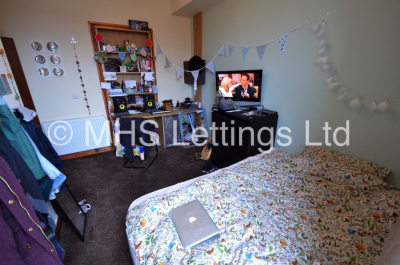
(138, 25)
(69, 210)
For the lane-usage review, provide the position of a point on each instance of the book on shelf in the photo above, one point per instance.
(118, 94)
(116, 90)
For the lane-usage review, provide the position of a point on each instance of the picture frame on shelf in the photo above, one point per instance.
(138, 25)
(122, 69)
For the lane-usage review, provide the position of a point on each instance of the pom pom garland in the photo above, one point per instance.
(325, 61)
(322, 60)
(355, 103)
(384, 105)
(329, 80)
(325, 67)
(315, 28)
(341, 97)
(322, 51)
(321, 34)
(333, 85)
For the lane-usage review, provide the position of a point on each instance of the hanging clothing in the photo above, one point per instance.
(51, 171)
(29, 182)
(27, 114)
(17, 137)
(40, 139)
(22, 241)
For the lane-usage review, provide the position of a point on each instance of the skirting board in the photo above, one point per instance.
(87, 153)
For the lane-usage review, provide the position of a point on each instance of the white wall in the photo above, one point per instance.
(364, 36)
(46, 20)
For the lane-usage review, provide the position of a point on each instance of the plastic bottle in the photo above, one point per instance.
(199, 104)
(141, 153)
(123, 86)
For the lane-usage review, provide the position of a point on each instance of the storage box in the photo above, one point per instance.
(167, 106)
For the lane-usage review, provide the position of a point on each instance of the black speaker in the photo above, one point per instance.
(119, 104)
(149, 102)
(188, 77)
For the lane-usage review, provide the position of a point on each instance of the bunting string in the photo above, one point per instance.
(281, 41)
(335, 82)
(325, 61)
(222, 51)
(269, 42)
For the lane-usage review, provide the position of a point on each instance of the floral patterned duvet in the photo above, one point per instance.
(316, 207)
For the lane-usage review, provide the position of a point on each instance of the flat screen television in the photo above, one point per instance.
(240, 85)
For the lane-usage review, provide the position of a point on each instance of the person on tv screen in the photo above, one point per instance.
(226, 84)
(244, 90)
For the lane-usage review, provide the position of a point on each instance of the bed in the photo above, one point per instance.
(317, 207)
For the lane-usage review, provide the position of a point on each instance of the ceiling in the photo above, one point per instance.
(189, 8)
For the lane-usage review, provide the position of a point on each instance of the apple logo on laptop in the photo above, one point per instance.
(192, 219)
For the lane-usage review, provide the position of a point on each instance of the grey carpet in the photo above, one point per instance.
(110, 189)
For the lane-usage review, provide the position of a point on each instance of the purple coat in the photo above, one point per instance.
(22, 241)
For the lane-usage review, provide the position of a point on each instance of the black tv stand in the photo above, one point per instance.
(227, 149)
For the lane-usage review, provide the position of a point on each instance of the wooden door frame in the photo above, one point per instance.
(19, 76)
(198, 44)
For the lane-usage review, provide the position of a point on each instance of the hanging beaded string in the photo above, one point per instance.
(80, 75)
(11, 77)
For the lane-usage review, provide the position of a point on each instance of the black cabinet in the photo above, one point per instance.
(237, 136)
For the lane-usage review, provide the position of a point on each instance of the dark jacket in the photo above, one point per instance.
(29, 182)
(41, 141)
(238, 91)
(22, 241)
(126, 140)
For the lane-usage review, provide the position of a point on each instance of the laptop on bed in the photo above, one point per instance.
(193, 224)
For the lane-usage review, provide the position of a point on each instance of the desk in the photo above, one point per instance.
(159, 118)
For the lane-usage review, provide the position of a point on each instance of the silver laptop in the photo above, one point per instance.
(193, 224)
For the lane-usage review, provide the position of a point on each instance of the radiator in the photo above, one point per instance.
(77, 135)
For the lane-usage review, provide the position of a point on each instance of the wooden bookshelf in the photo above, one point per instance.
(116, 34)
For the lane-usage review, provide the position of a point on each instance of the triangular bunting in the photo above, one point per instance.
(245, 51)
(231, 48)
(158, 48)
(99, 37)
(167, 62)
(121, 56)
(195, 76)
(210, 66)
(179, 72)
(282, 41)
(222, 51)
(143, 52)
(133, 57)
(261, 50)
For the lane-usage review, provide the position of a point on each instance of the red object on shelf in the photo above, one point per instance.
(99, 37)
(149, 43)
